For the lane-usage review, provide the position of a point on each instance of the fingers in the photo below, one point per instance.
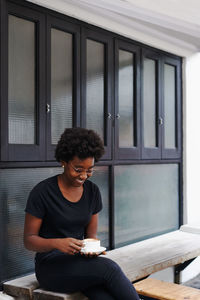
(77, 242)
(75, 246)
(93, 254)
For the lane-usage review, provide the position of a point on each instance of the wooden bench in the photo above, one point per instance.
(156, 289)
(137, 260)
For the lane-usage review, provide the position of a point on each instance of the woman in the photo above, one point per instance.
(60, 212)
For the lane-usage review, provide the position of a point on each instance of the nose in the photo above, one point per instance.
(83, 176)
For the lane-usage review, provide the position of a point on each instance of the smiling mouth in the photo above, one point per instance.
(80, 180)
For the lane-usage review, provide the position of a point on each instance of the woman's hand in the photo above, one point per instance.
(69, 245)
(93, 254)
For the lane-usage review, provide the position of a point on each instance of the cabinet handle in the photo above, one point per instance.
(160, 121)
(48, 108)
(109, 116)
(117, 116)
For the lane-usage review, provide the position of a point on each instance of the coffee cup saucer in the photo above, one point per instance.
(99, 251)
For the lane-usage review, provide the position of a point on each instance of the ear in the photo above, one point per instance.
(62, 163)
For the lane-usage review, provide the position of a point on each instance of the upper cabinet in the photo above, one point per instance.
(127, 100)
(57, 72)
(96, 97)
(62, 79)
(22, 85)
(171, 107)
(160, 106)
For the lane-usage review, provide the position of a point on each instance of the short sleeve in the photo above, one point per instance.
(97, 201)
(35, 203)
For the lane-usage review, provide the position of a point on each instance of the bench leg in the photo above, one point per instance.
(179, 268)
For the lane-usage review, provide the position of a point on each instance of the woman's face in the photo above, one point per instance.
(77, 170)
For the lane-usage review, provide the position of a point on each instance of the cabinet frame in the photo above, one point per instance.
(53, 22)
(129, 152)
(108, 96)
(24, 152)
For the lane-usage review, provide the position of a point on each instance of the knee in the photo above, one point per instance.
(112, 266)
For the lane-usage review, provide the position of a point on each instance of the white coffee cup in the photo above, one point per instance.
(91, 245)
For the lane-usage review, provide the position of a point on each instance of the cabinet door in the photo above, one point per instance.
(63, 50)
(171, 110)
(151, 105)
(23, 91)
(127, 119)
(96, 76)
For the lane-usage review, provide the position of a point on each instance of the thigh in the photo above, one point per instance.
(98, 293)
(67, 273)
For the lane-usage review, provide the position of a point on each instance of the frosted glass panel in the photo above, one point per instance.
(126, 99)
(95, 87)
(61, 83)
(21, 81)
(149, 103)
(101, 178)
(146, 201)
(15, 185)
(169, 107)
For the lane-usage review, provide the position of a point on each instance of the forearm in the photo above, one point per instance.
(91, 235)
(39, 244)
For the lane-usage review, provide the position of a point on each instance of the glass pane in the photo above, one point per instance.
(101, 178)
(169, 107)
(21, 81)
(95, 87)
(126, 98)
(149, 103)
(61, 82)
(146, 201)
(15, 185)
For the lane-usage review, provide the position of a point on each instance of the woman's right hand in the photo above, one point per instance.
(69, 245)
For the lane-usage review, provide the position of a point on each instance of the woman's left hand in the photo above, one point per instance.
(93, 254)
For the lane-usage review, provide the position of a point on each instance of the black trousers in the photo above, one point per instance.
(99, 278)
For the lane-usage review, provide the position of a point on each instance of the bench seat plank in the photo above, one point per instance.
(165, 290)
(149, 256)
(41, 294)
(22, 286)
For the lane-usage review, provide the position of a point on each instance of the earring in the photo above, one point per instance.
(63, 166)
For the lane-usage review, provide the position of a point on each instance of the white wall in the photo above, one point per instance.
(193, 138)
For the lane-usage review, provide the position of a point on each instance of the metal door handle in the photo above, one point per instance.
(160, 121)
(109, 116)
(118, 116)
(48, 108)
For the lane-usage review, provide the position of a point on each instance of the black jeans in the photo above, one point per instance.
(98, 278)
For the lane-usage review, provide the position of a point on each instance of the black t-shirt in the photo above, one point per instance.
(60, 217)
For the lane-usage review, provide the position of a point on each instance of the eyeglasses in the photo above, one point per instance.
(81, 170)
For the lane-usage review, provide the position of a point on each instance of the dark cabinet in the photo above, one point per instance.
(22, 85)
(160, 106)
(127, 101)
(58, 73)
(96, 86)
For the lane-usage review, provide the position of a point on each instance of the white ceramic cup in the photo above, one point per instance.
(91, 245)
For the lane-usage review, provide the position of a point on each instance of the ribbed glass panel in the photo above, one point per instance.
(61, 82)
(15, 185)
(146, 201)
(95, 87)
(101, 178)
(149, 103)
(126, 99)
(21, 81)
(169, 107)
